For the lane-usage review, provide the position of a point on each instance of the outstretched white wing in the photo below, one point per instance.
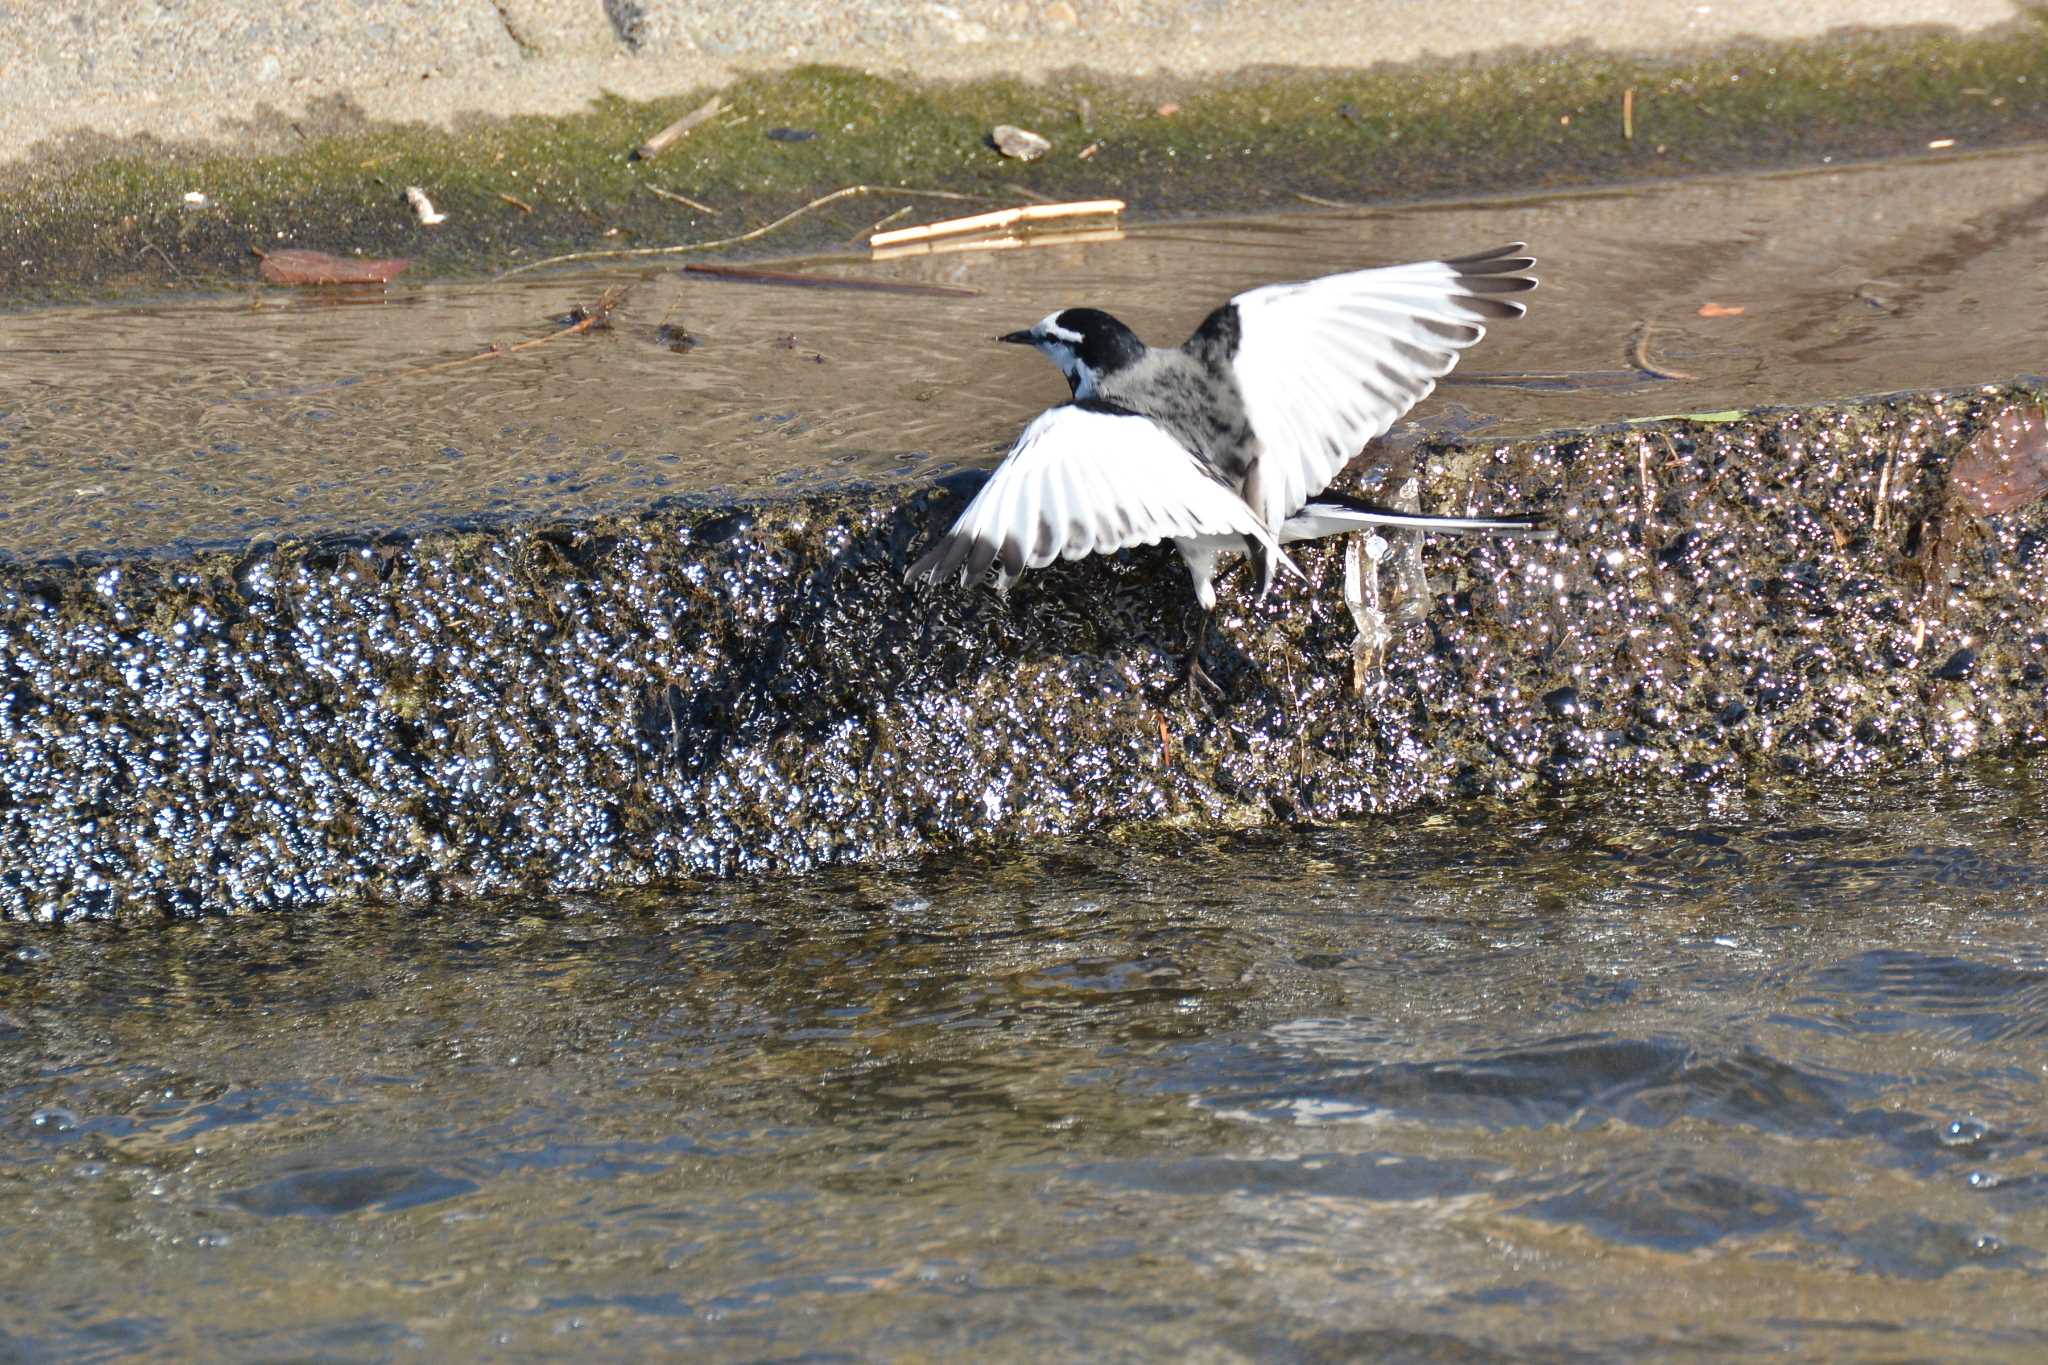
(1086, 478)
(1327, 365)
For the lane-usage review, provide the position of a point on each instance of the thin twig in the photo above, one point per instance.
(1544, 381)
(1639, 356)
(1628, 114)
(516, 202)
(1643, 474)
(881, 223)
(600, 315)
(749, 275)
(849, 192)
(1323, 203)
(661, 193)
(1022, 192)
(664, 139)
(173, 265)
(1884, 482)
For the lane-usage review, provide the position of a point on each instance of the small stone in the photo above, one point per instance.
(1562, 702)
(1021, 143)
(1960, 665)
(791, 134)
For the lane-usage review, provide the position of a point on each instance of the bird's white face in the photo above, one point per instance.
(1062, 346)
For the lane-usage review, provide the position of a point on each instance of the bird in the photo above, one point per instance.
(1227, 443)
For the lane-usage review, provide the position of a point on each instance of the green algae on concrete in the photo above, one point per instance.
(699, 691)
(112, 218)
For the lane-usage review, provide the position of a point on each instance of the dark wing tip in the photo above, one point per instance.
(1497, 261)
(1498, 271)
(978, 555)
(1496, 284)
(939, 562)
(1499, 310)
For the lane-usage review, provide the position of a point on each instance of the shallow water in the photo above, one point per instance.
(1740, 1076)
(288, 412)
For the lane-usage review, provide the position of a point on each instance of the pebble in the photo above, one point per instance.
(1020, 143)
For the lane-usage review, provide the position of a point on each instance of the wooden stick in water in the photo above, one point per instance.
(1000, 218)
(748, 275)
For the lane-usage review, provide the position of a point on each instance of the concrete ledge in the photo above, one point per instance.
(700, 692)
(239, 75)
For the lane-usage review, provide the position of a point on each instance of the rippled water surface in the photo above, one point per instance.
(1494, 1083)
(292, 412)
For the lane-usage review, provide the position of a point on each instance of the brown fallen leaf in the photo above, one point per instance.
(1721, 310)
(2006, 466)
(295, 265)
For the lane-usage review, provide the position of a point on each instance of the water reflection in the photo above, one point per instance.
(1485, 1081)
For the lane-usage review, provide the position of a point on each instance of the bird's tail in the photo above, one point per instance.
(1332, 514)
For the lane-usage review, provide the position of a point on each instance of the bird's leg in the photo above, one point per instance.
(1198, 639)
(1362, 596)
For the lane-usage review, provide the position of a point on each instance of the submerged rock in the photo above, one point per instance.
(699, 691)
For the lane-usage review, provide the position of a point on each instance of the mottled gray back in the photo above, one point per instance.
(1194, 399)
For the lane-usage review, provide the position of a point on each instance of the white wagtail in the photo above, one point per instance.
(1226, 443)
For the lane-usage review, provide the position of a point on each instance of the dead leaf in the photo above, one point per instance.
(2006, 466)
(294, 265)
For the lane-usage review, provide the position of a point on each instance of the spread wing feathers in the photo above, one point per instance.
(1083, 480)
(1327, 365)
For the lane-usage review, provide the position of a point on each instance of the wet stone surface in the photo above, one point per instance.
(707, 691)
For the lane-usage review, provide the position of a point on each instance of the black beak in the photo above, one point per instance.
(1019, 339)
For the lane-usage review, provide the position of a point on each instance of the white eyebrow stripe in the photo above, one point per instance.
(1050, 327)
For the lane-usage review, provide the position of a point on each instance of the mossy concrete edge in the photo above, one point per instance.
(93, 220)
(703, 691)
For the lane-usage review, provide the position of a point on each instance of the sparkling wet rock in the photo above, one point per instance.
(705, 690)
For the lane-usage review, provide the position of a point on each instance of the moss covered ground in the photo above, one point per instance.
(99, 222)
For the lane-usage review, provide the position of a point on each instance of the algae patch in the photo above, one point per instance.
(111, 218)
